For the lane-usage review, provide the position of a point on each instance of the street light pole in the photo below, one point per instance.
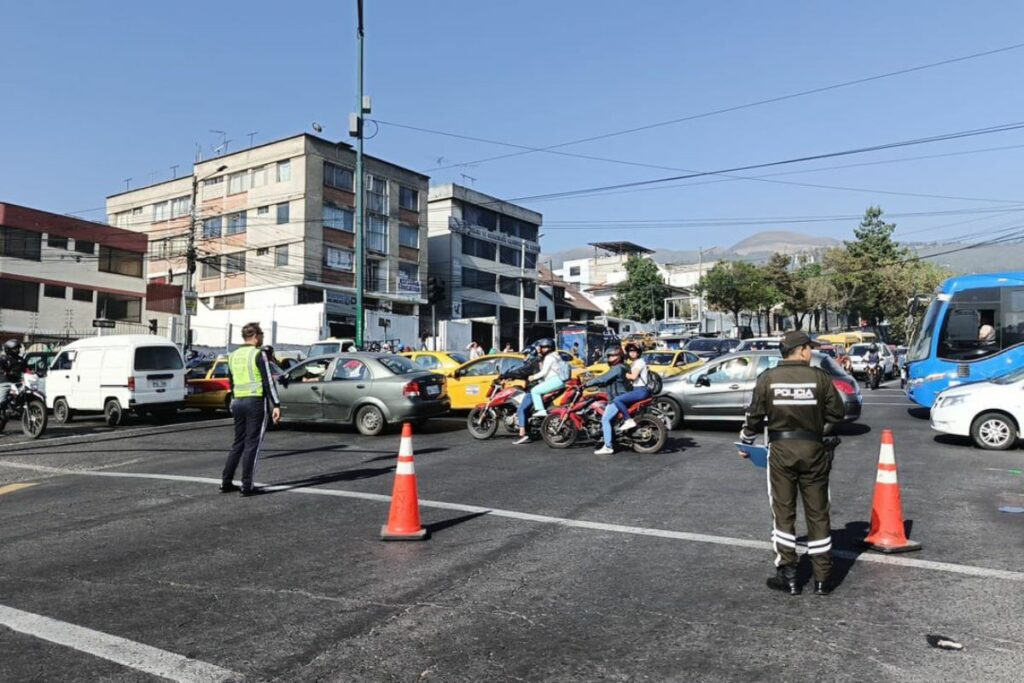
(522, 292)
(360, 259)
(190, 256)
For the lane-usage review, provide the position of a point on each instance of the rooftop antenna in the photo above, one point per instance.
(199, 153)
(317, 127)
(127, 184)
(222, 148)
(174, 171)
(467, 177)
(252, 135)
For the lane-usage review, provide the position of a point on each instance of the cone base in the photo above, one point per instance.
(385, 535)
(891, 549)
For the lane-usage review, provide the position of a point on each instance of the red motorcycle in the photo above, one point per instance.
(501, 407)
(582, 413)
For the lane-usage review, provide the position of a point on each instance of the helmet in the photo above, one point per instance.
(12, 347)
(874, 347)
(631, 347)
(613, 354)
(545, 343)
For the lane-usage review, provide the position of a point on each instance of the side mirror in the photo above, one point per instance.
(703, 381)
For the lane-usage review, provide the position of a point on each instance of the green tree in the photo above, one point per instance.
(734, 287)
(642, 294)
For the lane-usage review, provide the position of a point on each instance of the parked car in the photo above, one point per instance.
(709, 348)
(116, 375)
(436, 361)
(758, 344)
(369, 390)
(331, 345)
(667, 363)
(722, 389)
(209, 385)
(858, 353)
(989, 412)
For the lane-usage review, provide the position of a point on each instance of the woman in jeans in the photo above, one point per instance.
(615, 381)
(550, 380)
(637, 377)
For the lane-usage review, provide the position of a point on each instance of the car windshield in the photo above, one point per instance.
(459, 358)
(702, 345)
(921, 343)
(149, 358)
(659, 358)
(1010, 377)
(859, 349)
(399, 365)
(323, 349)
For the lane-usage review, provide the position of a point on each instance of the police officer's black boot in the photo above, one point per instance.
(784, 580)
(822, 587)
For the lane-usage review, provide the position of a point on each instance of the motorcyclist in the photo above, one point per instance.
(12, 367)
(548, 378)
(872, 359)
(637, 376)
(615, 382)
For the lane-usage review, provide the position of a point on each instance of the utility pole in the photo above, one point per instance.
(356, 129)
(190, 256)
(700, 296)
(522, 292)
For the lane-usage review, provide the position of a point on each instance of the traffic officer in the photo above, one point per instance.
(798, 405)
(252, 389)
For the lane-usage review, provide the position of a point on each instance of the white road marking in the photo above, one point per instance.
(948, 567)
(115, 649)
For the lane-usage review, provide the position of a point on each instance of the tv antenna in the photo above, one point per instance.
(317, 127)
(174, 171)
(465, 177)
(127, 184)
(222, 148)
(252, 135)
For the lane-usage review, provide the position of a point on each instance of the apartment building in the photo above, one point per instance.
(481, 248)
(275, 241)
(58, 274)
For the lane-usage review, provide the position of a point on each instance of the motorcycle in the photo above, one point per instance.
(501, 407)
(27, 404)
(874, 372)
(582, 414)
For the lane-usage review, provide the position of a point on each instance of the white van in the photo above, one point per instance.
(116, 375)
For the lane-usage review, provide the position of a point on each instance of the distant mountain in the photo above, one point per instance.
(781, 241)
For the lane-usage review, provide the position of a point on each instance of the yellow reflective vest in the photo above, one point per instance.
(246, 378)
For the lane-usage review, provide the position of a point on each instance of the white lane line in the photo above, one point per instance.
(948, 567)
(120, 650)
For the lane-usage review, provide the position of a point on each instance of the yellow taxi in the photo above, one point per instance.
(208, 385)
(667, 362)
(469, 382)
(436, 361)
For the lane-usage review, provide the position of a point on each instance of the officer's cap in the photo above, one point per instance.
(796, 339)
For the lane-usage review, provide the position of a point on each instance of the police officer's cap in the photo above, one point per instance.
(796, 339)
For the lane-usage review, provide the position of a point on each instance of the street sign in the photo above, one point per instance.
(103, 323)
(384, 322)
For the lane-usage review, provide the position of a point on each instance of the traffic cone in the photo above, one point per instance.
(404, 517)
(887, 534)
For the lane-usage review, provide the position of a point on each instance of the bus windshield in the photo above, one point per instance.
(920, 346)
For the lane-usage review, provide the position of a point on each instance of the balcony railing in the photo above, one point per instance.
(376, 283)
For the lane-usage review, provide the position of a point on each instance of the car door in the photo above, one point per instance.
(427, 361)
(349, 380)
(59, 379)
(302, 390)
(469, 385)
(86, 394)
(724, 390)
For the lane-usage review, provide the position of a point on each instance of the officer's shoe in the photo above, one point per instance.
(822, 587)
(228, 487)
(252, 491)
(784, 580)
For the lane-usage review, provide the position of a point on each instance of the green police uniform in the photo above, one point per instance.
(796, 403)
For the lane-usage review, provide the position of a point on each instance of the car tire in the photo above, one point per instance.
(62, 413)
(994, 431)
(670, 409)
(370, 421)
(113, 414)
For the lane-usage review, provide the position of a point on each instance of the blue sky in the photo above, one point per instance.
(95, 92)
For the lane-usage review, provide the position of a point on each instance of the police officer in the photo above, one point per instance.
(12, 367)
(252, 389)
(799, 405)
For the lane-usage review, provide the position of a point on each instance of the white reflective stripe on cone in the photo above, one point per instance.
(405, 448)
(886, 477)
(405, 468)
(887, 455)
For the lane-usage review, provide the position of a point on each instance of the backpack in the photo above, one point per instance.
(653, 383)
(563, 370)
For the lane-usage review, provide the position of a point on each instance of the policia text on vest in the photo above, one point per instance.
(798, 404)
(252, 389)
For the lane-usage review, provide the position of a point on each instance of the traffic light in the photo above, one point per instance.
(435, 290)
(152, 325)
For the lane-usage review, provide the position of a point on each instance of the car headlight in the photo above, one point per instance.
(948, 401)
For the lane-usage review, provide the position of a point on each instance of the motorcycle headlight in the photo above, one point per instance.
(948, 401)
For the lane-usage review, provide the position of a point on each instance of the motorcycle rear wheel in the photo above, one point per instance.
(649, 435)
(482, 423)
(33, 419)
(558, 434)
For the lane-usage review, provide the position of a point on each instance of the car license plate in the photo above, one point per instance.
(433, 390)
(159, 384)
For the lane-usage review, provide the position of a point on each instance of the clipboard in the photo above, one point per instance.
(758, 455)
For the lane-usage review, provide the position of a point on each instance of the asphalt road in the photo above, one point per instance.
(542, 565)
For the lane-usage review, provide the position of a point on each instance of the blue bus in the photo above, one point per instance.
(972, 331)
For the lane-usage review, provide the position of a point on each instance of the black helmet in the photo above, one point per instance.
(613, 354)
(874, 347)
(545, 343)
(631, 347)
(12, 347)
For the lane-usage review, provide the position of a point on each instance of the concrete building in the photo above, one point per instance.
(481, 248)
(275, 241)
(561, 302)
(58, 274)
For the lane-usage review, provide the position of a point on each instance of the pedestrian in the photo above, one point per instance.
(475, 350)
(252, 389)
(508, 348)
(492, 351)
(799, 405)
(575, 350)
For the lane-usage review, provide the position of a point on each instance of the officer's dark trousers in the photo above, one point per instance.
(250, 425)
(800, 466)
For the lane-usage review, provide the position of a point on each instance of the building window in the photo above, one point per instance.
(377, 233)
(529, 289)
(376, 194)
(236, 223)
(234, 263)
(338, 259)
(210, 182)
(118, 307)
(22, 244)
(57, 242)
(236, 182)
(55, 291)
(574, 271)
(263, 251)
(475, 309)
(161, 211)
(81, 294)
(120, 261)
(211, 268)
(338, 218)
(408, 198)
(137, 211)
(282, 213)
(408, 278)
(212, 228)
(531, 260)
(337, 176)
(409, 236)
(284, 171)
(83, 247)
(478, 279)
(181, 206)
(259, 176)
(472, 246)
(308, 295)
(376, 276)
(479, 216)
(281, 255)
(508, 285)
(517, 228)
(262, 210)
(169, 248)
(19, 296)
(510, 256)
(120, 220)
(229, 302)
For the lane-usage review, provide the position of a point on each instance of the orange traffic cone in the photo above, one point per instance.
(404, 518)
(887, 534)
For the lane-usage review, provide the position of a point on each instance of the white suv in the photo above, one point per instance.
(858, 355)
(991, 412)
